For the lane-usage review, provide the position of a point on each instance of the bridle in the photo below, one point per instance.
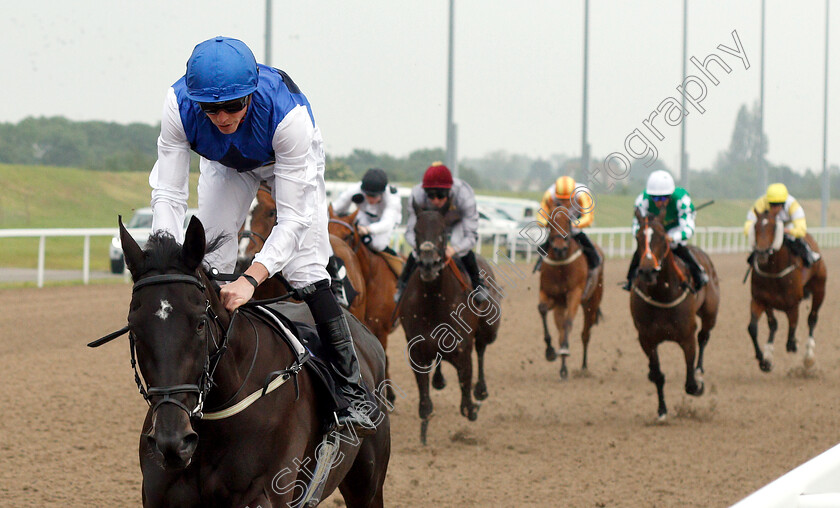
(647, 230)
(353, 232)
(648, 253)
(211, 360)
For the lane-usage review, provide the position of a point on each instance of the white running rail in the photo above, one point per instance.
(616, 242)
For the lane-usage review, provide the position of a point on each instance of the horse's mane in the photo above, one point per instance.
(162, 252)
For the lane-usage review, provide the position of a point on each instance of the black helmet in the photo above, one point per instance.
(375, 181)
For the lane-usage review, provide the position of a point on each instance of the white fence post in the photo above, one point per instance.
(86, 261)
(42, 247)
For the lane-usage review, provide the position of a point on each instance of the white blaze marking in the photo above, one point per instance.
(648, 235)
(164, 310)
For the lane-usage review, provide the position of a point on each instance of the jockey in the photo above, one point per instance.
(380, 209)
(250, 122)
(442, 192)
(582, 214)
(661, 193)
(791, 214)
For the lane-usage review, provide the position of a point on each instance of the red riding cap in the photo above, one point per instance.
(437, 176)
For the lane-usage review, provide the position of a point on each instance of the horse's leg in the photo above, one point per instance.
(817, 288)
(756, 309)
(543, 308)
(793, 320)
(656, 376)
(590, 316)
(438, 381)
(463, 363)
(693, 385)
(425, 407)
(772, 325)
(362, 485)
(480, 389)
(561, 320)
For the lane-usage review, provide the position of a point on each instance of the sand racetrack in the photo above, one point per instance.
(71, 416)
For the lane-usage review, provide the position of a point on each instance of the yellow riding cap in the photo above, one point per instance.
(564, 187)
(777, 193)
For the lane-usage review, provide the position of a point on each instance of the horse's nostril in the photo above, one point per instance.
(188, 445)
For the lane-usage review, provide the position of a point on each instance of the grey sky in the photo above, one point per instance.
(375, 70)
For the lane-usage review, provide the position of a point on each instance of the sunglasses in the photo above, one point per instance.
(372, 194)
(232, 106)
(660, 199)
(437, 193)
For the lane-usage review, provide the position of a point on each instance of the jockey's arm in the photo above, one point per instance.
(586, 210)
(544, 212)
(391, 214)
(296, 177)
(415, 198)
(641, 204)
(797, 227)
(686, 214)
(469, 220)
(341, 205)
(169, 178)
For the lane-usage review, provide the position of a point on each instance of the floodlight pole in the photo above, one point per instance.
(451, 140)
(267, 32)
(826, 179)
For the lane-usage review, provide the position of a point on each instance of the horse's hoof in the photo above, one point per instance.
(791, 346)
(765, 366)
(424, 427)
(662, 417)
(564, 373)
(696, 390)
(473, 416)
(550, 354)
(438, 382)
(480, 391)
(810, 359)
(390, 395)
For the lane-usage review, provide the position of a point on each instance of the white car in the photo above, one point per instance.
(142, 222)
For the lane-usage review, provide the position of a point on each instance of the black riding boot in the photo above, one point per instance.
(631, 272)
(478, 283)
(541, 251)
(338, 274)
(801, 248)
(593, 259)
(344, 365)
(408, 269)
(697, 271)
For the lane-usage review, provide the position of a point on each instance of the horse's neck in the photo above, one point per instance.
(668, 280)
(249, 337)
(779, 260)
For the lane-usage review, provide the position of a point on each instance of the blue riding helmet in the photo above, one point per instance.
(221, 69)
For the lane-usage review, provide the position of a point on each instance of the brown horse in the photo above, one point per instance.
(380, 281)
(442, 321)
(664, 308)
(780, 281)
(255, 231)
(562, 281)
(258, 443)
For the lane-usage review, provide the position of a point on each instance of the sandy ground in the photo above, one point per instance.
(71, 415)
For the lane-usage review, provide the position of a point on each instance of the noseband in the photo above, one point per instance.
(353, 232)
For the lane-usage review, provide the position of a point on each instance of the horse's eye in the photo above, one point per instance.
(272, 214)
(199, 328)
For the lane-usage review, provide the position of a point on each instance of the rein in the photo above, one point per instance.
(669, 256)
(353, 232)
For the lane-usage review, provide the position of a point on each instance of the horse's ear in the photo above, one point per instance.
(194, 244)
(638, 213)
(132, 252)
(661, 214)
(352, 217)
(451, 216)
(331, 211)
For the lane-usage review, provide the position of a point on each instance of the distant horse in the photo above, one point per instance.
(562, 281)
(380, 280)
(257, 227)
(193, 355)
(664, 307)
(442, 320)
(780, 281)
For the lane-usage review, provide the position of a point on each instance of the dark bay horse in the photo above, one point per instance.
(780, 281)
(664, 307)
(442, 321)
(255, 231)
(196, 357)
(380, 281)
(562, 281)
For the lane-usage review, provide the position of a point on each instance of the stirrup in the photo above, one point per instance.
(340, 294)
(360, 421)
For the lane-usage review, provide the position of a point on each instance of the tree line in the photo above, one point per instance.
(105, 146)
